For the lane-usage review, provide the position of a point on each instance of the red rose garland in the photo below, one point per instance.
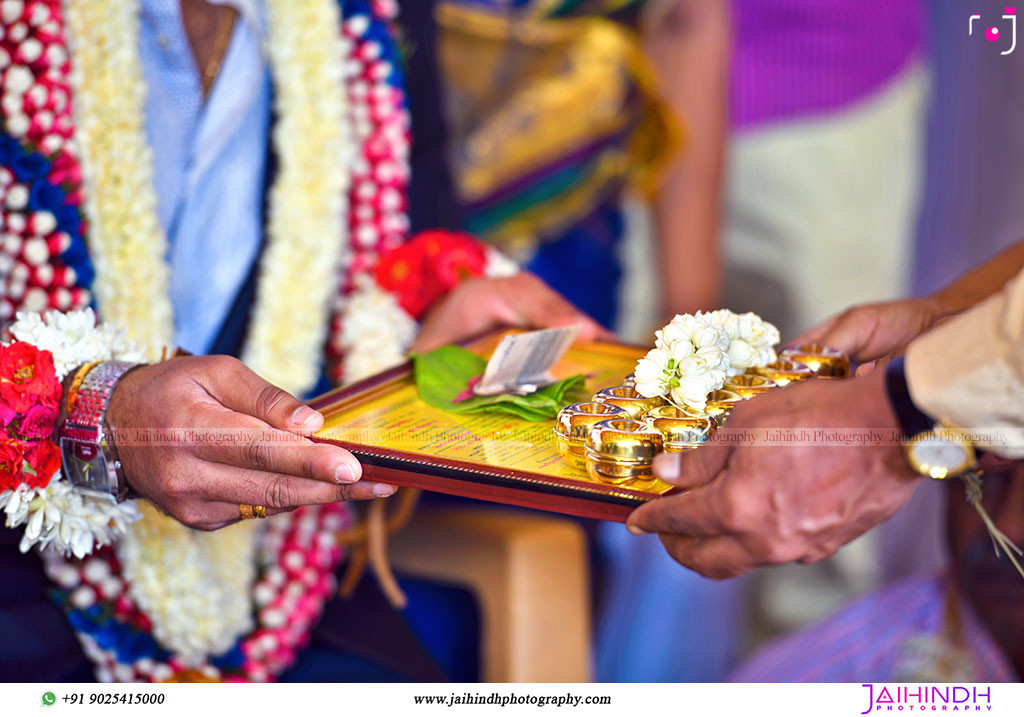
(428, 267)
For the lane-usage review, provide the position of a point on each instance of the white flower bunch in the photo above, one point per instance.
(694, 354)
(59, 516)
(74, 339)
(66, 519)
(377, 331)
(689, 361)
(752, 340)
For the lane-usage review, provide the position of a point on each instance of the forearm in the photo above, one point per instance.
(968, 372)
(689, 46)
(687, 223)
(979, 284)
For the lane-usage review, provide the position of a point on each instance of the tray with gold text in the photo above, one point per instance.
(403, 441)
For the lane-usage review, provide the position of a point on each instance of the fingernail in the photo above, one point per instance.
(666, 466)
(343, 473)
(303, 415)
(636, 530)
(383, 490)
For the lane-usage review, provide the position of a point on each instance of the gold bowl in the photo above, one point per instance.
(823, 361)
(622, 450)
(627, 398)
(681, 429)
(783, 372)
(747, 386)
(573, 425)
(720, 404)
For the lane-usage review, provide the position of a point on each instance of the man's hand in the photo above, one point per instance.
(480, 304)
(200, 435)
(875, 331)
(750, 506)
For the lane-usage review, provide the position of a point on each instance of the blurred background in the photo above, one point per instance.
(788, 157)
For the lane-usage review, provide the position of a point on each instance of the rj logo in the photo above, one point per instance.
(994, 34)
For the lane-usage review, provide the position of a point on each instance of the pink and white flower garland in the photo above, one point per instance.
(368, 329)
(35, 102)
(296, 558)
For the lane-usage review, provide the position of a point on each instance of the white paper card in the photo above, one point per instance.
(522, 362)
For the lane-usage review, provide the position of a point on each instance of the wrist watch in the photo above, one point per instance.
(87, 454)
(931, 449)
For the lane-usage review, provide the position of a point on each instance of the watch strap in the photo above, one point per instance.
(84, 426)
(912, 420)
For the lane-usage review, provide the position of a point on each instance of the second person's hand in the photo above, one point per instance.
(522, 300)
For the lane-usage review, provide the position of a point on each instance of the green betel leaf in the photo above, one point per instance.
(444, 373)
(568, 390)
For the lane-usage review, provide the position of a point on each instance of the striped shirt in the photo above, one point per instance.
(869, 640)
(799, 58)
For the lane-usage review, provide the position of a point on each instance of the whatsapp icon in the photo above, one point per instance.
(49, 698)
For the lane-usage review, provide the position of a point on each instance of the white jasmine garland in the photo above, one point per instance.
(307, 217)
(74, 339)
(306, 233)
(65, 519)
(752, 340)
(695, 353)
(126, 242)
(376, 331)
(194, 590)
(195, 586)
(689, 361)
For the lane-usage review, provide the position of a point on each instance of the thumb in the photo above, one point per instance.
(866, 369)
(240, 389)
(590, 330)
(689, 469)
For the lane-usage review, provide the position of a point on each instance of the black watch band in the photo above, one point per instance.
(912, 420)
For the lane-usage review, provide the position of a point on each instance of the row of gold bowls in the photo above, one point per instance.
(615, 436)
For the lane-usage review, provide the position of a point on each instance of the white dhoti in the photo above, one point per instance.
(821, 213)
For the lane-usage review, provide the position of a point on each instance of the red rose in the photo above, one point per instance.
(428, 266)
(44, 459)
(462, 257)
(7, 414)
(27, 377)
(38, 422)
(11, 459)
(405, 273)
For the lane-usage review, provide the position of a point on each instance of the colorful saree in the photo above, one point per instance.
(553, 110)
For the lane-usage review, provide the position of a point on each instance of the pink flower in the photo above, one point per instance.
(38, 422)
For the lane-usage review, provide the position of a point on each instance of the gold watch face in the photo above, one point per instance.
(940, 454)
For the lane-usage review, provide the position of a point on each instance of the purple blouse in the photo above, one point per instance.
(794, 58)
